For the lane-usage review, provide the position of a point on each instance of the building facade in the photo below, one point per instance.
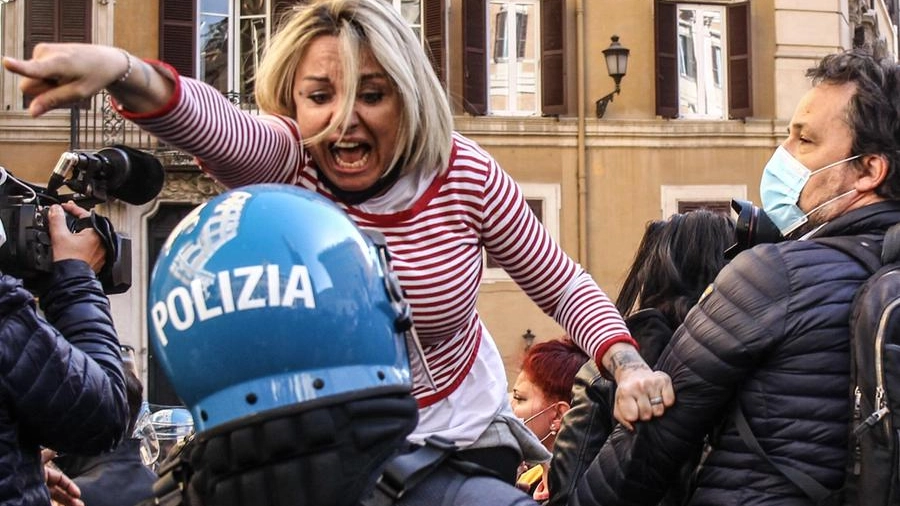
(709, 88)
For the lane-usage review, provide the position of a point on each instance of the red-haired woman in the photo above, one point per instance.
(541, 396)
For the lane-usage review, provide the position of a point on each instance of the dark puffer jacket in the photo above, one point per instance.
(772, 335)
(68, 395)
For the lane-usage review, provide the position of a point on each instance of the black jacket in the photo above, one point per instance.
(589, 421)
(116, 478)
(773, 336)
(66, 393)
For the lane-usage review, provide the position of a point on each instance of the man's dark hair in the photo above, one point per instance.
(874, 111)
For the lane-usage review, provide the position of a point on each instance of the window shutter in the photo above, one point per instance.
(475, 92)
(177, 35)
(740, 98)
(40, 23)
(553, 57)
(666, 60)
(56, 21)
(435, 36)
(75, 21)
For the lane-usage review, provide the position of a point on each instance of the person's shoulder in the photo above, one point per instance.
(773, 270)
(762, 270)
(468, 151)
(762, 257)
(776, 256)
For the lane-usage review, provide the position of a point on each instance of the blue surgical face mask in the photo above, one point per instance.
(782, 181)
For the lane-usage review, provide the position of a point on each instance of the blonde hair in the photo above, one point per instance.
(424, 136)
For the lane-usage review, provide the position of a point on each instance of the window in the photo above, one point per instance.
(683, 198)
(716, 62)
(412, 13)
(543, 199)
(513, 70)
(221, 41)
(699, 33)
(214, 44)
(692, 79)
(687, 64)
(232, 35)
(514, 57)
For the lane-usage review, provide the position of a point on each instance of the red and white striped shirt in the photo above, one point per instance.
(435, 244)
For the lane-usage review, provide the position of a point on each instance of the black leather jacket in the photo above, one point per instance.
(773, 336)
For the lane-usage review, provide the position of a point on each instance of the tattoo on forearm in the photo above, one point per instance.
(629, 359)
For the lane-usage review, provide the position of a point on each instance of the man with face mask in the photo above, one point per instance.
(767, 347)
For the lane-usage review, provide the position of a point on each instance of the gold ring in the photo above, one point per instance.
(656, 400)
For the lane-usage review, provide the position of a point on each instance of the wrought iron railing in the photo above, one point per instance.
(95, 124)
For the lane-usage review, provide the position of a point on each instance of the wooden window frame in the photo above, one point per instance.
(554, 97)
(738, 65)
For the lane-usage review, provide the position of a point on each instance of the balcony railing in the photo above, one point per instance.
(96, 124)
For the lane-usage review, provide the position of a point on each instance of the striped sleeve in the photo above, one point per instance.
(234, 147)
(516, 240)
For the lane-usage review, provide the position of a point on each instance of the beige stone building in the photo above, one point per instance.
(705, 100)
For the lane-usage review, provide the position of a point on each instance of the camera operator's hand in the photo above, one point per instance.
(84, 245)
(59, 75)
(63, 491)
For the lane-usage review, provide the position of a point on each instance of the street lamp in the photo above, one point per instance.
(616, 57)
(528, 336)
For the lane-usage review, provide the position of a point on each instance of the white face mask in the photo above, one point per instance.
(784, 177)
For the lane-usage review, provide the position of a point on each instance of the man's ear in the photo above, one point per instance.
(873, 173)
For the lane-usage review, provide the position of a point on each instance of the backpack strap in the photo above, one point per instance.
(407, 470)
(859, 247)
(890, 251)
(812, 488)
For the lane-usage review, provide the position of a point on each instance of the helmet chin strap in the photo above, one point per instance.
(329, 455)
(359, 196)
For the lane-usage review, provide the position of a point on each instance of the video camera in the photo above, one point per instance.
(117, 171)
(751, 227)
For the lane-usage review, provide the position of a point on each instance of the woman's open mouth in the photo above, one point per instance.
(350, 155)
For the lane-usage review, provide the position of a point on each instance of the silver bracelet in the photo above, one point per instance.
(128, 70)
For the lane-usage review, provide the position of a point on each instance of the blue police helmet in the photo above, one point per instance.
(269, 295)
